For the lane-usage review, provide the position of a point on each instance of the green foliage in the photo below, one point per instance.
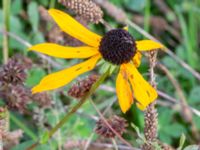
(34, 76)
(183, 17)
(33, 15)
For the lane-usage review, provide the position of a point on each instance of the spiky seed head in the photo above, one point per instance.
(85, 8)
(80, 88)
(13, 73)
(42, 99)
(16, 97)
(117, 123)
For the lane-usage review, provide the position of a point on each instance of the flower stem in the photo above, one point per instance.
(6, 18)
(73, 110)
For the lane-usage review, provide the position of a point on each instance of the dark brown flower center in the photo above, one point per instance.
(117, 46)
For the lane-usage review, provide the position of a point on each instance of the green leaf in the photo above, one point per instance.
(165, 137)
(175, 130)
(23, 145)
(182, 141)
(194, 95)
(33, 15)
(44, 137)
(169, 62)
(138, 132)
(16, 7)
(44, 2)
(34, 76)
(38, 37)
(192, 147)
(135, 5)
(27, 144)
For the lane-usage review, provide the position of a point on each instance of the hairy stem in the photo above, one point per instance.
(151, 120)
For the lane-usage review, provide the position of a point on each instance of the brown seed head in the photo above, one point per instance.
(117, 123)
(12, 73)
(85, 8)
(42, 99)
(16, 97)
(79, 89)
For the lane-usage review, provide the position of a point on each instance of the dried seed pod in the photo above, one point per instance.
(12, 139)
(12, 73)
(42, 99)
(117, 123)
(79, 89)
(87, 9)
(16, 97)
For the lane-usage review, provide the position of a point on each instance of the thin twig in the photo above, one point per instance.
(115, 144)
(109, 126)
(160, 93)
(27, 44)
(74, 109)
(186, 111)
(167, 50)
(121, 17)
(91, 136)
(80, 144)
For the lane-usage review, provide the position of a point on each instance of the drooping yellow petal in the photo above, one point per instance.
(64, 52)
(124, 92)
(61, 78)
(143, 91)
(74, 28)
(147, 45)
(137, 59)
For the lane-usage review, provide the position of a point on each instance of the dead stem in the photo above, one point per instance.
(109, 126)
(186, 111)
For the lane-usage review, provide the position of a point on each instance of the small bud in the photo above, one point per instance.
(117, 123)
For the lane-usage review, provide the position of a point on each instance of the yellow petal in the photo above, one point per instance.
(147, 45)
(125, 28)
(137, 59)
(61, 78)
(74, 28)
(124, 92)
(143, 91)
(64, 52)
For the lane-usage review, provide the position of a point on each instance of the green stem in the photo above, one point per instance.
(73, 110)
(77, 106)
(52, 3)
(6, 18)
(23, 127)
(147, 15)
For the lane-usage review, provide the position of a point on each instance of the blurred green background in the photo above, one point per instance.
(176, 23)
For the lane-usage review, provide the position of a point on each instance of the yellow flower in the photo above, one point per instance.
(117, 47)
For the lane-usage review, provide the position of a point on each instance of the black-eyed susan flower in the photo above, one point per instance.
(116, 46)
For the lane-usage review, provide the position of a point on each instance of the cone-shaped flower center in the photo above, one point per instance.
(117, 46)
